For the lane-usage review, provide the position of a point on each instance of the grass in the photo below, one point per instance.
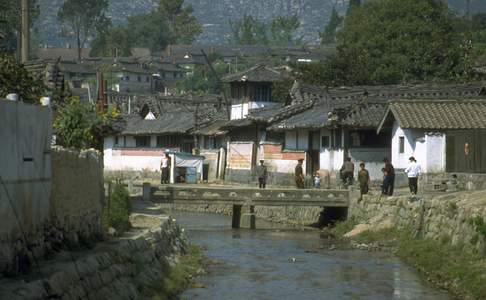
(450, 267)
(180, 276)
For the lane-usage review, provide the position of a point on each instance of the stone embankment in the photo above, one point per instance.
(124, 268)
(455, 218)
(298, 215)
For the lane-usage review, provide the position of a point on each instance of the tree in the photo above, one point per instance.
(353, 4)
(149, 30)
(328, 36)
(78, 125)
(248, 31)
(203, 81)
(183, 26)
(401, 40)
(84, 18)
(16, 79)
(252, 31)
(112, 42)
(282, 30)
(10, 20)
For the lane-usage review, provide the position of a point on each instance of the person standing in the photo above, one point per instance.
(262, 174)
(388, 178)
(164, 168)
(299, 174)
(413, 171)
(364, 180)
(347, 172)
(317, 180)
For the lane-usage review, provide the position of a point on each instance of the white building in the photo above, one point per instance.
(443, 135)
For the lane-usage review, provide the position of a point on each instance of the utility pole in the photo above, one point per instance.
(24, 56)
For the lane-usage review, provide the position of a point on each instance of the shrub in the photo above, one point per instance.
(119, 209)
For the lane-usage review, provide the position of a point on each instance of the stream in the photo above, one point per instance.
(280, 262)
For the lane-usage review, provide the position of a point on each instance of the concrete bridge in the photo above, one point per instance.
(245, 199)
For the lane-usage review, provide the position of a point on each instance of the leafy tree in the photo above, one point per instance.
(111, 42)
(183, 26)
(84, 18)
(282, 30)
(10, 21)
(78, 125)
(16, 79)
(203, 81)
(328, 36)
(353, 4)
(248, 31)
(149, 30)
(396, 41)
(252, 31)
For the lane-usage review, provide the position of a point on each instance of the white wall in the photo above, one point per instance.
(428, 149)
(373, 159)
(25, 166)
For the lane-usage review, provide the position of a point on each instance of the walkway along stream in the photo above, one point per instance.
(293, 263)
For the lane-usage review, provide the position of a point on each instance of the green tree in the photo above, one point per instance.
(248, 31)
(84, 18)
(353, 4)
(282, 30)
(395, 41)
(111, 42)
(183, 26)
(328, 36)
(10, 21)
(149, 30)
(203, 81)
(78, 124)
(16, 79)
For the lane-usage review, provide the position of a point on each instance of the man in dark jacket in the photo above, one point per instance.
(388, 178)
(299, 174)
(262, 174)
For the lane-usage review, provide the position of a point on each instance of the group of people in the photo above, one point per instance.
(413, 171)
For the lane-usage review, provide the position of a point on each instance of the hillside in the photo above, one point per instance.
(215, 15)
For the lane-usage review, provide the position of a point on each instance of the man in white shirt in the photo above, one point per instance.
(413, 171)
(164, 168)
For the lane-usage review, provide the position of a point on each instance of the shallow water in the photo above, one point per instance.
(259, 264)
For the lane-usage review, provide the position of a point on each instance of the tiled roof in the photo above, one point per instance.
(258, 73)
(439, 114)
(312, 118)
(364, 115)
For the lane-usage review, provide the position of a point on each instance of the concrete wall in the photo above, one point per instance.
(211, 160)
(281, 163)
(57, 194)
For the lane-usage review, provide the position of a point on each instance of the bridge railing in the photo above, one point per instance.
(248, 196)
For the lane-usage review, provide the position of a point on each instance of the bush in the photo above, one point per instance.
(119, 209)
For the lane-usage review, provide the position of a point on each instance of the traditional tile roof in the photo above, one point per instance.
(366, 115)
(438, 114)
(258, 73)
(173, 115)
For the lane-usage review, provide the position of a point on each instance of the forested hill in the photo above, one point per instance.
(215, 15)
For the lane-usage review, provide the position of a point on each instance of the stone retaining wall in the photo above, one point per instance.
(121, 269)
(300, 215)
(446, 217)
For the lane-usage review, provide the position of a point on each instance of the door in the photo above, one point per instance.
(465, 151)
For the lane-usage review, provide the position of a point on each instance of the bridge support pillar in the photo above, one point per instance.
(147, 191)
(248, 219)
(236, 216)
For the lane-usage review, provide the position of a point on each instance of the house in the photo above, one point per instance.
(335, 123)
(134, 78)
(443, 135)
(153, 125)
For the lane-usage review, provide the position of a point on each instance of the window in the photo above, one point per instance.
(263, 93)
(117, 141)
(142, 141)
(147, 79)
(167, 141)
(401, 144)
(139, 78)
(127, 78)
(325, 142)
